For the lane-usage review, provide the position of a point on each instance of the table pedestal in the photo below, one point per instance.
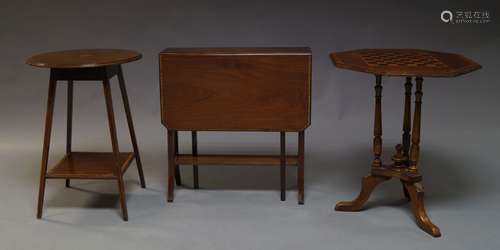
(405, 160)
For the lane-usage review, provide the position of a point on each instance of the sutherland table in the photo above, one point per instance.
(409, 63)
(235, 89)
(87, 65)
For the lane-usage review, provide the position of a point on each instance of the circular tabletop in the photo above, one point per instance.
(83, 58)
(404, 62)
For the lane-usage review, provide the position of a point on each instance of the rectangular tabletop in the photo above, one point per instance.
(239, 89)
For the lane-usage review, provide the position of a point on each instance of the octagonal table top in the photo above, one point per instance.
(404, 62)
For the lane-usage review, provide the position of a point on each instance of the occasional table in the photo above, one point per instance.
(412, 64)
(235, 89)
(87, 65)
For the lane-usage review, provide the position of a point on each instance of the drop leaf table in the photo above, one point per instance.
(235, 89)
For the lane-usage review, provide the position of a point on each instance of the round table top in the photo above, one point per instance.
(404, 62)
(83, 58)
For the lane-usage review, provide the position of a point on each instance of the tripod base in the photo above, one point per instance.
(412, 185)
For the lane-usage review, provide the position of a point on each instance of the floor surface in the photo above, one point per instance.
(237, 208)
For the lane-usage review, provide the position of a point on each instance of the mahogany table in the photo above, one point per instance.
(87, 65)
(235, 89)
(409, 63)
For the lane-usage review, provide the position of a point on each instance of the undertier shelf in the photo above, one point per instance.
(90, 165)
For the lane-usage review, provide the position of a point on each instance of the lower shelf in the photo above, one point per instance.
(90, 165)
(254, 160)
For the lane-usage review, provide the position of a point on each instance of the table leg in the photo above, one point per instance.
(69, 124)
(171, 164)
(405, 165)
(407, 118)
(406, 128)
(405, 191)
(178, 180)
(130, 123)
(416, 190)
(415, 133)
(116, 149)
(300, 168)
(283, 165)
(416, 193)
(46, 144)
(377, 128)
(367, 185)
(194, 151)
(371, 181)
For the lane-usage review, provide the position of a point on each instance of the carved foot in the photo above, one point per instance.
(368, 184)
(416, 192)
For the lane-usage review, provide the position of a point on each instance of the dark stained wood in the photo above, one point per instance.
(171, 164)
(239, 51)
(300, 169)
(128, 113)
(111, 120)
(194, 152)
(116, 149)
(178, 180)
(46, 145)
(69, 124)
(377, 128)
(87, 65)
(405, 191)
(368, 184)
(90, 165)
(416, 194)
(415, 133)
(283, 165)
(398, 171)
(404, 62)
(229, 160)
(409, 63)
(81, 74)
(83, 58)
(407, 119)
(236, 89)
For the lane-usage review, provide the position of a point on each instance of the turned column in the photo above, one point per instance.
(377, 129)
(407, 119)
(415, 133)
(410, 64)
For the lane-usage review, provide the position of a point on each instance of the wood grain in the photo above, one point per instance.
(411, 63)
(404, 62)
(83, 58)
(236, 89)
(90, 165)
(228, 160)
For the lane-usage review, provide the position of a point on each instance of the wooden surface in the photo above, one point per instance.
(89, 165)
(175, 160)
(404, 62)
(226, 160)
(405, 160)
(238, 89)
(239, 51)
(83, 58)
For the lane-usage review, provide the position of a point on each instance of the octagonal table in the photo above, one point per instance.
(412, 64)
